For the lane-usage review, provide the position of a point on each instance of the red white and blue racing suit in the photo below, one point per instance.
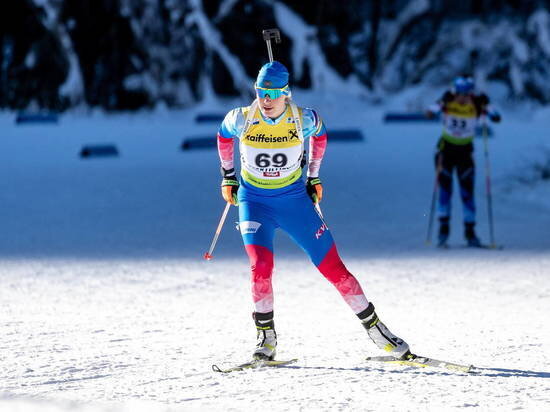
(272, 195)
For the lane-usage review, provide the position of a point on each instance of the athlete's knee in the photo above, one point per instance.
(445, 178)
(261, 270)
(333, 268)
(261, 261)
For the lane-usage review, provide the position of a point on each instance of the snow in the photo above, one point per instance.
(73, 86)
(539, 23)
(324, 79)
(213, 41)
(412, 10)
(30, 59)
(225, 9)
(520, 49)
(107, 304)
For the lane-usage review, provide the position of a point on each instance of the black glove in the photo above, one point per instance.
(428, 114)
(314, 189)
(230, 186)
(495, 117)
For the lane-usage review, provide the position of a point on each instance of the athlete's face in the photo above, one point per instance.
(272, 108)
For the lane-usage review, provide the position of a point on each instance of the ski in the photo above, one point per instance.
(482, 246)
(423, 362)
(254, 364)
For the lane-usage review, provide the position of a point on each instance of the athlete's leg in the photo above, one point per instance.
(335, 271)
(466, 178)
(307, 229)
(311, 233)
(444, 165)
(257, 230)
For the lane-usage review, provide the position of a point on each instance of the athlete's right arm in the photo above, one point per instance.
(438, 107)
(230, 129)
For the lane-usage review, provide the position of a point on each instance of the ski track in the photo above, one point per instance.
(83, 332)
(107, 306)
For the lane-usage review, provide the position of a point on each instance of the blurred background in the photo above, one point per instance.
(107, 107)
(133, 54)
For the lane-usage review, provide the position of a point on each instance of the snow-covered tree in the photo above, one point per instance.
(127, 54)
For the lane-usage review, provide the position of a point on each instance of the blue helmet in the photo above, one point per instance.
(464, 84)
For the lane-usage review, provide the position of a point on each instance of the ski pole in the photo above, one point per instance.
(492, 245)
(208, 255)
(268, 35)
(434, 197)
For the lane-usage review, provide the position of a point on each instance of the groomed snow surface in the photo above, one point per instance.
(107, 304)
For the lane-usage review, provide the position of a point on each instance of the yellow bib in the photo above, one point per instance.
(271, 154)
(459, 122)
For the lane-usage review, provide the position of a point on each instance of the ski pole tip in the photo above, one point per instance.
(208, 256)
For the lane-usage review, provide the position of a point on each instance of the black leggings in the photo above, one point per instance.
(448, 158)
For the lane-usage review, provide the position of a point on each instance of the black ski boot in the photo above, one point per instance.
(381, 335)
(470, 235)
(266, 338)
(444, 231)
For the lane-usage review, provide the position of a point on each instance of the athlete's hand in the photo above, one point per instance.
(314, 189)
(230, 186)
(495, 117)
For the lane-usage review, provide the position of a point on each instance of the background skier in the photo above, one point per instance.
(461, 108)
(271, 194)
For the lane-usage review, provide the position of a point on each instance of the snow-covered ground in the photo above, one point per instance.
(107, 305)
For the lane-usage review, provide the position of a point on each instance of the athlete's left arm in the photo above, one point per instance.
(483, 103)
(314, 128)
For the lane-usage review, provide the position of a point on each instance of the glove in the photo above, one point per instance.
(314, 189)
(495, 117)
(230, 186)
(483, 99)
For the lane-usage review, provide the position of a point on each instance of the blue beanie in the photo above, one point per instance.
(272, 75)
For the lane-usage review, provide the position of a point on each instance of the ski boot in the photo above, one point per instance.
(470, 235)
(444, 231)
(266, 338)
(381, 335)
